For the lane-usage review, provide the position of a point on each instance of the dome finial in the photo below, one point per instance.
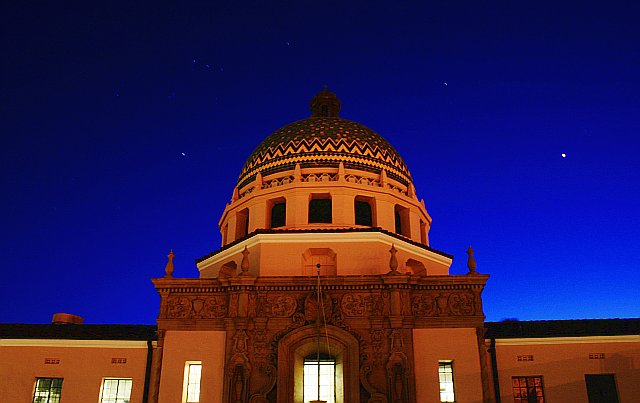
(325, 104)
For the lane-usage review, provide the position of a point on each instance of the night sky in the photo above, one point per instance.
(124, 128)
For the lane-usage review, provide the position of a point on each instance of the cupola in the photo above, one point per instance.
(317, 191)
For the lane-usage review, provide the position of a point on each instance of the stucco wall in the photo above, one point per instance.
(182, 346)
(563, 363)
(458, 345)
(82, 368)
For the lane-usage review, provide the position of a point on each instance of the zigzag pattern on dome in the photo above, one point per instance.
(325, 142)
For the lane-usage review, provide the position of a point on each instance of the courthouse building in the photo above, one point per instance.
(325, 288)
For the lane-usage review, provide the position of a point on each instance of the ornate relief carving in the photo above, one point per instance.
(312, 311)
(357, 304)
(196, 308)
(178, 307)
(443, 304)
(423, 304)
(377, 336)
(461, 304)
(233, 305)
(277, 306)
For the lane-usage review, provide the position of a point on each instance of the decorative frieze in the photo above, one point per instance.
(276, 306)
(193, 307)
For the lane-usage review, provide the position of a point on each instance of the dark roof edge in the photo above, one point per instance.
(327, 230)
(562, 328)
(79, 332)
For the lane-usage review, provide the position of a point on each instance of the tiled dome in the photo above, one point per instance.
(324, 140)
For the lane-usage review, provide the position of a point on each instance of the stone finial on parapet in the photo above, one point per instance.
(244, 265)
(471, 262)
(393, 261)
(168, 269)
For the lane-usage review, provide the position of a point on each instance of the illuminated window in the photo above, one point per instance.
(321, 372)
(445, 373)
(47, 390)
(116, 391)
(192, 374)
(527, 389)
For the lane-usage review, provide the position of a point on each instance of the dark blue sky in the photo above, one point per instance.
(98, 103)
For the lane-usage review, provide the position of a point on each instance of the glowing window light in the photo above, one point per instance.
(327, 367)
(445, 373)
(192, 375)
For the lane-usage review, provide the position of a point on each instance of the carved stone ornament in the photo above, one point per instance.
(277, 306)
(461, 304)
(423, 305)
(443, 304)
(357, 304)
(197, 308)
(311, 310)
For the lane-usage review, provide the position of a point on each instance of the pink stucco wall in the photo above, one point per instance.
(456, 344)
(82, 368)
(563, 363)
(182, 346)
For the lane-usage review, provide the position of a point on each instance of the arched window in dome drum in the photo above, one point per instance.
(278, 213)
(242, 223)
(325, 110)
(402, 220)
(320, 209)
(363, 213)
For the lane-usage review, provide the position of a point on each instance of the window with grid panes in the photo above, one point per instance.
(319, 370)
(47, 390)
(527, 389)
(445, 374)
(193, 372)
(116, 391)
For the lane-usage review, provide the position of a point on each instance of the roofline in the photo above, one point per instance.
(562, 328)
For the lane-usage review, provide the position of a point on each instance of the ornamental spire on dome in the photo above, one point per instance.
(325, 105)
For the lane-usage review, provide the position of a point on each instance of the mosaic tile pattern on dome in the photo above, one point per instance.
(325, 142)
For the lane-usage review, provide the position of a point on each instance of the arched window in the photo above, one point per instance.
(242, 223)
(320, 209)
(319, 378)
(363, 213)
(398, 222)
(402, 220)
(279, 214)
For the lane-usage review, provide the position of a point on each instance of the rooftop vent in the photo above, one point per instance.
(66, 319)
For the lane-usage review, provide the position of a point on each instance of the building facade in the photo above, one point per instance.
(325, 288)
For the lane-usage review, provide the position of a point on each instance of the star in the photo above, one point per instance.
(184, 154)
(564, 155)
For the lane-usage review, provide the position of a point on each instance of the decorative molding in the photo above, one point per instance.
(322, 238)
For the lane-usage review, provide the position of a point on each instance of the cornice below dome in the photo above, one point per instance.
(325, 142)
